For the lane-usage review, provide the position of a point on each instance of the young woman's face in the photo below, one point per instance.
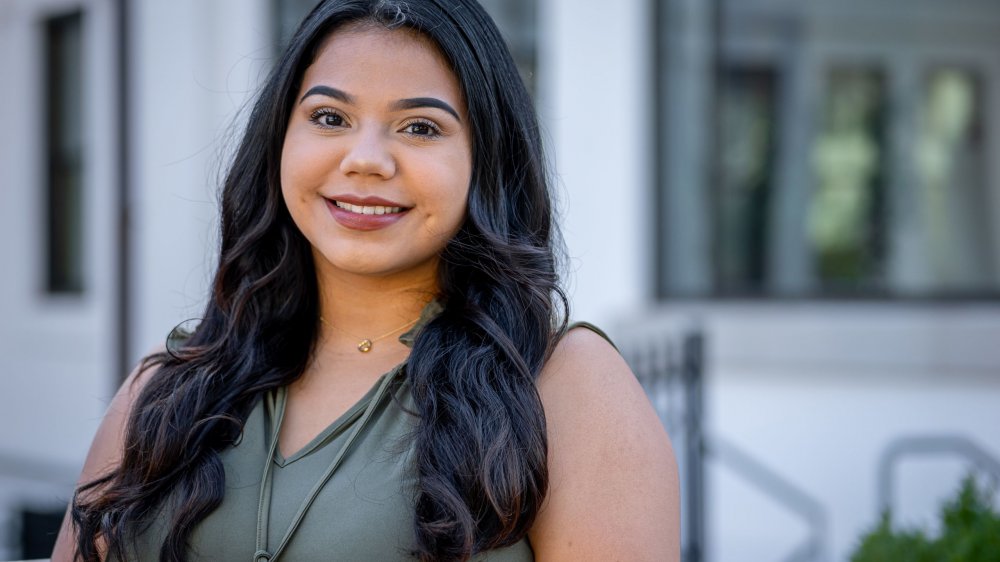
(377, 159)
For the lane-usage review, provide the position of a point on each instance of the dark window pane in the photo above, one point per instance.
(746, 150)
(63, 114)
(846, 215)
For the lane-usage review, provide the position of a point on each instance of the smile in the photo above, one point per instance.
(368, 210)
(374, 215)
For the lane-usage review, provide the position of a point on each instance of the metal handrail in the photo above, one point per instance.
(928, 445)
(786, 493)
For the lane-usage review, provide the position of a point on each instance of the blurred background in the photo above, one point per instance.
(784, 211)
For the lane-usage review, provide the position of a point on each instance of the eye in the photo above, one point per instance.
(424, 129)
(327, 118)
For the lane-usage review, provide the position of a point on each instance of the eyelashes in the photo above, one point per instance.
(420, 128)
(327, 118)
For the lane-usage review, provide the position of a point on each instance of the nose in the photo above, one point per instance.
(368, 155)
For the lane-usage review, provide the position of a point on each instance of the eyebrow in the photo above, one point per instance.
(414, 103)
(400, 105)
(330, 93)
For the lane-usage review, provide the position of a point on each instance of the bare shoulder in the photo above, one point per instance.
(613, 485)
(106, 449)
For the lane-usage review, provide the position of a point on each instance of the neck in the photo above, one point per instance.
(356, 307)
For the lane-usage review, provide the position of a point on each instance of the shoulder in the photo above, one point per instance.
(613, 485)
(586, 370)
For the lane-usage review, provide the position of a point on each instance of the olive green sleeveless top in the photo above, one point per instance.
(364, 511)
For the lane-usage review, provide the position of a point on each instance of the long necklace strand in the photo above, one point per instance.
(366, 344)
(264, 500)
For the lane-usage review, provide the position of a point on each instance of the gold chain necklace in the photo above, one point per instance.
(366, 344)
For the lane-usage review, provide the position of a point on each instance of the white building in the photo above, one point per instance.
(810, 183)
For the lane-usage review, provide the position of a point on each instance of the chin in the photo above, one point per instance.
(381, 268)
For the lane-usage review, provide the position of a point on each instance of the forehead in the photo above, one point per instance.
(368, 60)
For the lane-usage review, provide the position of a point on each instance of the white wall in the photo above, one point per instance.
(194, 66)
(55, 349)
(593, 101)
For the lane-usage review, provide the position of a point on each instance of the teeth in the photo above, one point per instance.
(364, 210)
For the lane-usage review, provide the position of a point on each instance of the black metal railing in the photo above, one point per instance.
(670, 368)
(670, 364)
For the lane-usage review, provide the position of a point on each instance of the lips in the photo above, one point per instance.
(365, 213)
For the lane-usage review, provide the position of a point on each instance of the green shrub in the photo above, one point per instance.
(970, 532)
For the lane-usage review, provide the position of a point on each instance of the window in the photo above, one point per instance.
(63, 118)
(952, 197)
(828, 149)
(846, 215)
(746, 161)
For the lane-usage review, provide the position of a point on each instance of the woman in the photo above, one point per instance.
(380, 373)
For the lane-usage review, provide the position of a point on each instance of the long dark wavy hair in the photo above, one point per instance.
(480, 440)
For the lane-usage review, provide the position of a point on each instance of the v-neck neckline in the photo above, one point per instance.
(262, 554)
(335, 428)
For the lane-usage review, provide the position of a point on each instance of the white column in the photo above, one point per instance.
(195, 64)
(596, 117)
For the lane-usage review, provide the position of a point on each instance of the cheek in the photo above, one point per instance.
(303, 166)
(448, 191)
(296, 182)
(295, 188)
